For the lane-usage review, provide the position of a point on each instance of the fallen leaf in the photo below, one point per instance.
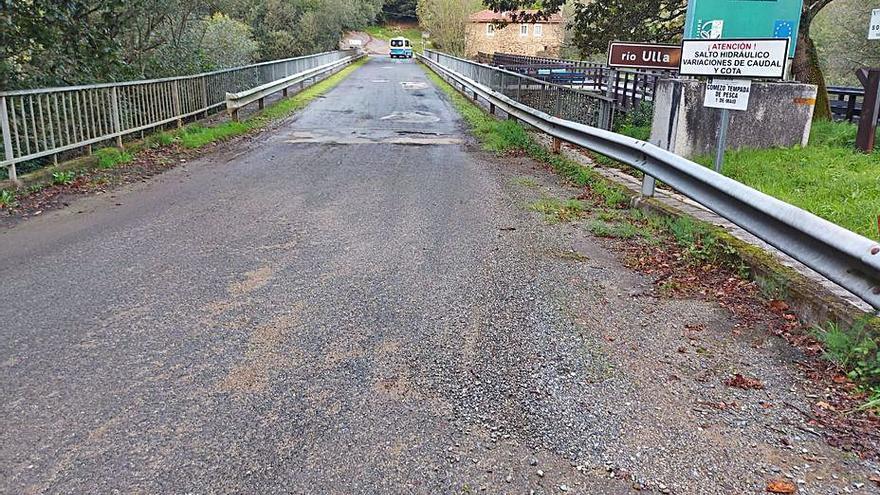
(739, 381)
(779, 306)
(781, 486)
(825, 405)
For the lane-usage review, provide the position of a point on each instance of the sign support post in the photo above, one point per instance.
(722, 139)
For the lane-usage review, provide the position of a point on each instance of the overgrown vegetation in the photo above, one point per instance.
(856, 351)
(63, 177)
(111, 157)
(54, 43)
(828, 178)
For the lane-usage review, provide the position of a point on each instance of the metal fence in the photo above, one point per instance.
(846, 102)
(628, 88)
(573, 104)
(844, 257)
(37, 123)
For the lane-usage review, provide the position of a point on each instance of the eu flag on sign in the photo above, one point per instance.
(783, 29)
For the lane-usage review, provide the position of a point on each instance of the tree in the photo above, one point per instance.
(614, 15)
(227, 42)
(806, 67)
(47, 42)
(446, 21)
(400, 9)
(843, 47)
(651, 21)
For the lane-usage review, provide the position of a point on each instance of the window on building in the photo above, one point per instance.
(490, 29)
(539, 30)
(523, 29)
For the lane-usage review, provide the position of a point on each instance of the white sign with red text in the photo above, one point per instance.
(752, 58)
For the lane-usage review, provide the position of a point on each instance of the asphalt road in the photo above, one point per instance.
(355, 302)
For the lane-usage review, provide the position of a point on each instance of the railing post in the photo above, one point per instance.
(114, 114)
(175, 98)
(205, 94)
(7, 141)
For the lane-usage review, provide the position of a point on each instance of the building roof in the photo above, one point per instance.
(487, 16)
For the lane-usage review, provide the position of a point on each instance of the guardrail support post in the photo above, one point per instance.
(492, 108)
(233, 114)
(284, 92)
(114, 114)
(261, 103)
(7, 141)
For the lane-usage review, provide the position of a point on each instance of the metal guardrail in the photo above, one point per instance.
(235, 101)
(842, 256)
(38, 123)
(572, 104)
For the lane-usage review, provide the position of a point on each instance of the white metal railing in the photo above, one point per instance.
(37, 123)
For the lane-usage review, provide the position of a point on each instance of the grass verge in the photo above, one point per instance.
(828, 178)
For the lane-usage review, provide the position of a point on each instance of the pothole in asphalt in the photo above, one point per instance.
(410, 85)
(405, 138)
(412, 117)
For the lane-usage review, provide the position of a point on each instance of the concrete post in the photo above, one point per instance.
(175, 100)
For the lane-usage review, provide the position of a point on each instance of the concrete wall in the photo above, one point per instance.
(779, 115)
(509, 40)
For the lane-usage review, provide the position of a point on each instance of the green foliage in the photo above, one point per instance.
(62, 177)
(57, 43)
(446, 20)
(828, 178)
(697, 239)
(160, 140)
(196, 135)
(854, 349)
(111, 157)
(228, 42)
(399, 9)
(7, 198)
(637, 122)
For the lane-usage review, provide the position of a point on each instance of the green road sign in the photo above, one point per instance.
(726, 19)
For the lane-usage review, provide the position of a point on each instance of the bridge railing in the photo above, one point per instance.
(573, 104)
(38, 123)
(844, 257)
(846, 102)
(628, 87)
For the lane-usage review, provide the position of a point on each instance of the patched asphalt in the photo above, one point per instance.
(356, 302)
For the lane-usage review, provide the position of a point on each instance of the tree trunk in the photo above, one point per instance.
(805, 67)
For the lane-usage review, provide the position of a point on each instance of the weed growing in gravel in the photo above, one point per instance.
(855, 350)
(624, 230)
(7, 198)
(556, 210)
(63, 178)
(111, 157)
(525, 182)
(160, 140)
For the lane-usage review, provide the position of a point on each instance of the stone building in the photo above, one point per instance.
(487, 33)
